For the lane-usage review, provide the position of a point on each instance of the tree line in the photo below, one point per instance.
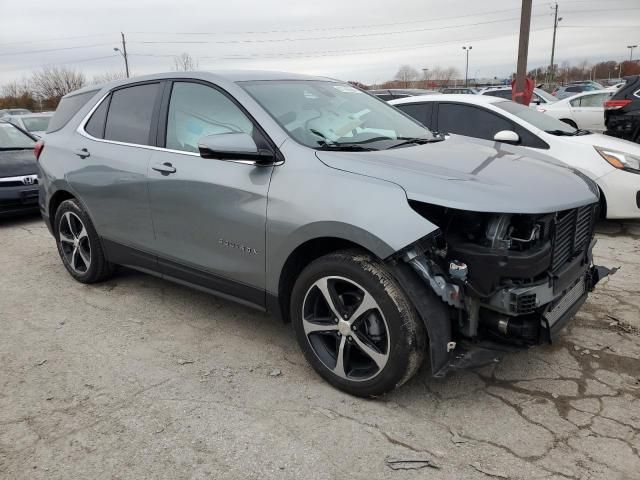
(45, 87)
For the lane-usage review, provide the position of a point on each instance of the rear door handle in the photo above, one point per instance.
(82, 152)
(164, 168)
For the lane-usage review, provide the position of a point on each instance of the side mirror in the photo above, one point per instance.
(538, 102)
(233, 146)
(507, 136)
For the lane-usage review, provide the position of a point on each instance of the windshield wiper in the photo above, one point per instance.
(345, 147)
(415, 141)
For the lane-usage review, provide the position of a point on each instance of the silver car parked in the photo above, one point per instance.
(380, 241)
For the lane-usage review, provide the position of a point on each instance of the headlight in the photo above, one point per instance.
(621, 160)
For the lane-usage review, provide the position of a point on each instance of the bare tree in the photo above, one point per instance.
(17, 94)
(184, 63)
(449, 74)
(107, 77)
(407, 74)
(52, 83)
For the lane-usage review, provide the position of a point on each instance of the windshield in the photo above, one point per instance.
(537, 119)
(36, 124)
(547, 96)
(13, 139)
(323, 114)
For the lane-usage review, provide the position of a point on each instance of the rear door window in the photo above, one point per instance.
(131, 113)
(470, 121)
(67, 108)
(419, 111)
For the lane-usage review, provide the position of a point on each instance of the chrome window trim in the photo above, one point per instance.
(81, 131)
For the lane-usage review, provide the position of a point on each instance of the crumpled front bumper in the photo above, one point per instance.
(469, 354)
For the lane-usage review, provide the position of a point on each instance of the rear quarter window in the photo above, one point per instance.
(67, 108)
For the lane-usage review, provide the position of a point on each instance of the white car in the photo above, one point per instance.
(34, 123)
(584, 110)
(614, 164)
(539, 97)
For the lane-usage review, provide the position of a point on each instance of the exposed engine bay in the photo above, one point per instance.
(511, 279)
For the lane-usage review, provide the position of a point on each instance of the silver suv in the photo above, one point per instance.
(380, 241)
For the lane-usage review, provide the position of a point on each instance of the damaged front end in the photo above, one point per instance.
(509, 281)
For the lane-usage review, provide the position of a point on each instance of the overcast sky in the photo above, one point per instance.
(355, 40)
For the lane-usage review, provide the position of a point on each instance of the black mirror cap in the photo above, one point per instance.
(261, 157)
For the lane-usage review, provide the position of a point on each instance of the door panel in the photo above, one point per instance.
(208, 215)
(113, 185)
(112, 180)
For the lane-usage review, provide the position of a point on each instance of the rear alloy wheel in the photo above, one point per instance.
(355, 325)
(74, 243)
(79, 245)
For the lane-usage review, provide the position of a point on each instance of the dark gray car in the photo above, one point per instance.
(381, 241)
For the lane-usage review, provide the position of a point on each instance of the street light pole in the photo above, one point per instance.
(466, 69)
(631, 47)
(556, 20)
(123, 52)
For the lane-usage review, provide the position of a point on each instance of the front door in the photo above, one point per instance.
(209, 215)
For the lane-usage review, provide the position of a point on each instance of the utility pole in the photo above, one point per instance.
(523, 50)
(556, 20)
(631, 47)
(466, 70)
(124, 54)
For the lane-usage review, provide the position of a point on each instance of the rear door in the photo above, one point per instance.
(588, 110)
(114, 150)
(209, 215)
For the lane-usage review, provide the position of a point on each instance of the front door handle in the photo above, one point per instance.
(82, 152)
(164, 168)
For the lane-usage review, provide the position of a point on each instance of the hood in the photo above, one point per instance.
(600, 140)
(14, 163)
(481, 177)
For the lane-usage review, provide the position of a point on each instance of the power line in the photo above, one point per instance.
(319, 29)
(353, 35)
(327, 53)
(24, 42)
(26, 52)
(83, 60)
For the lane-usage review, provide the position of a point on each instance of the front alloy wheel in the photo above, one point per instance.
(355, 325)
(346, 328)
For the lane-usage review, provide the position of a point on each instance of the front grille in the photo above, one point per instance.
(556, 311)
(573, 231)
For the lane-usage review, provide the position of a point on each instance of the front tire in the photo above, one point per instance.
(355, 325)
(79, 245)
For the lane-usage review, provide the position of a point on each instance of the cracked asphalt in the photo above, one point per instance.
(139, 378)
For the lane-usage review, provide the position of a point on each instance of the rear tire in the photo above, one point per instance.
(79, 245)
(369, 339)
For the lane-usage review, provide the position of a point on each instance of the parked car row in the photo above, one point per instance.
(34, 123)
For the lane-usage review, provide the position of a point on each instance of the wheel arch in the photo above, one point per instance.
(301, 256)
(56, 199)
